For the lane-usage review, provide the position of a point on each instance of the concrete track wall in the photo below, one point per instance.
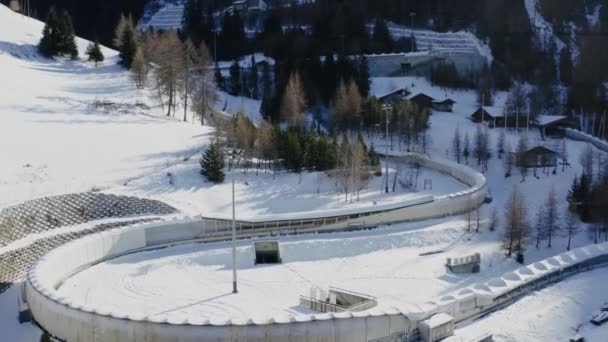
(70, 322)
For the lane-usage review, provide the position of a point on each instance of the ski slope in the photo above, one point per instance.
(68, 126)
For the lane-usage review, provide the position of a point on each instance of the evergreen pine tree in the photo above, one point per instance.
(322, 153)
(58, 36)
(94, 53)
(374, 157)
(565, 66)
(382, 37)
(219, 79)
(48, 43)
(212, 163)
(192, 19)
(252, 79)
(128, 48)
(363, 77)
(67, 40)
(235, 79)
(311, 153)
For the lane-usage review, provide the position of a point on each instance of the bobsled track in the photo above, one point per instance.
(68, 319)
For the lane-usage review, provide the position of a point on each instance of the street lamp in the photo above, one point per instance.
(234, 288)
(387, 108)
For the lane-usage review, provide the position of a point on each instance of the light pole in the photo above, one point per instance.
(234, 288)
(412, 15)
(387, 108)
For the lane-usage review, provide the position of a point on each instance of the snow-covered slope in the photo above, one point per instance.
(68, 126)
(162, 15)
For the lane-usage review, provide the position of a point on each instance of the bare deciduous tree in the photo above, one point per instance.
(204, 89)
(457, 144)
(552, 218)
(515, 223)
(294, 102)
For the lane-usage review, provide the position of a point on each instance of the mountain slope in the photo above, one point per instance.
(68, 126)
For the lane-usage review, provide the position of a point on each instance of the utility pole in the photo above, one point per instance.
(412, 15)
(387, 108)
(234, 288)
(528, 120)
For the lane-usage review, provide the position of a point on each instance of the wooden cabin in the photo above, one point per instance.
(421, 100)
(394, 96)
(444, 105)
(538, 156)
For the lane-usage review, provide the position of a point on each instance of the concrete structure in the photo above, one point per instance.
(267, 252)
(468, 264)
(420, 63)
(68, 322)
(337, 300)
(437, 327)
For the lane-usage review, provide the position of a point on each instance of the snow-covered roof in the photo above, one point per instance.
(439, 320)
(540, 149)
(447, 100)
(494, 111)
(417, 95)
(385, 94)
(544, 120)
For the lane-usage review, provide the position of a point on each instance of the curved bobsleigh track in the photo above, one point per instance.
(46, 214)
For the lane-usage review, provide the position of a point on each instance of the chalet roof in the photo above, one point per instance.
(539, 149)
(547, 120)
(392, 92)
(420, 96)
(445, 101)
(494, 112)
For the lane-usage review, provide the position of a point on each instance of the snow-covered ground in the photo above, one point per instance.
(555, 313)
(58, 135)
(195, 280)
(261, 194)
(54, 139)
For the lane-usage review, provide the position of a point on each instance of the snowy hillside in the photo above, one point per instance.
(460, 41)
(162, 15)
(70, 126)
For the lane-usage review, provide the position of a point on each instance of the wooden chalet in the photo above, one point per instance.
(443, 105)
(538, 156)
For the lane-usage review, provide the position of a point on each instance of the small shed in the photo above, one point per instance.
(394, 96)
(437, 327)
(538, 156)
(443, 105)
(421, 100)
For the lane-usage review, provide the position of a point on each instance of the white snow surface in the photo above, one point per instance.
(551, 314)
(53, 137)
(196, 280)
